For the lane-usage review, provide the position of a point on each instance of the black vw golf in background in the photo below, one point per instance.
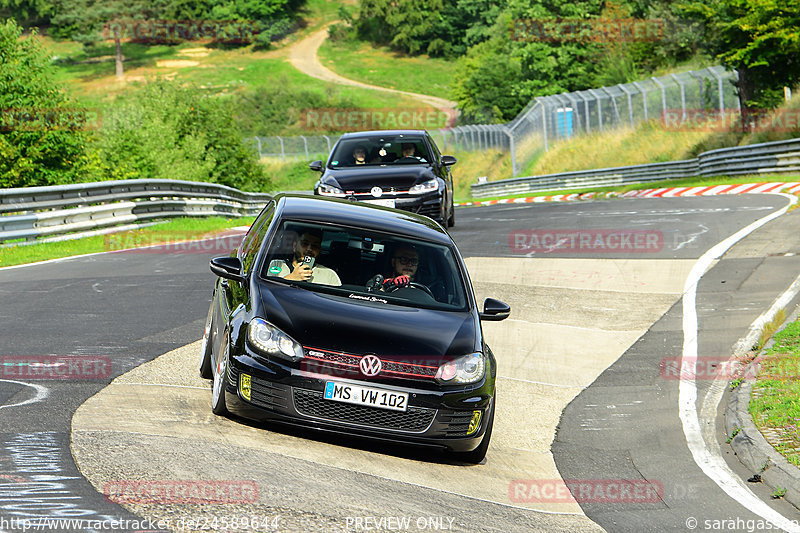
(394, 168)
(311, 325)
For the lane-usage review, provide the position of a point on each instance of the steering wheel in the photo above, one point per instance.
(422, 287)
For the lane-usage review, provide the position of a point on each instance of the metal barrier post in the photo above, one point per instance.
(630, 101)
(683, 94)
(663, 97)
(283, 151)
(644, 98)
(721, 91)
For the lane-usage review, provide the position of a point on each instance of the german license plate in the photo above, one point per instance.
(385, 203)
(370, 396)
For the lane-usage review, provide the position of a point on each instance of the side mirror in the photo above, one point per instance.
(448, 160)
(228, 268)
(315, 165)
(494, 310)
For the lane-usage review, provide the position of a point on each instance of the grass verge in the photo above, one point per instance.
(775, 402)
(175, 230)
(381, 66)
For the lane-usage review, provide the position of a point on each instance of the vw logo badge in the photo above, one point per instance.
(377, 192)
(370, 365)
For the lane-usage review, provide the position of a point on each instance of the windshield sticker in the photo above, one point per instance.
(334, 162)
(368, 298)
(274, 270)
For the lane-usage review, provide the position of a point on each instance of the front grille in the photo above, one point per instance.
(346, 364)
(311, 403)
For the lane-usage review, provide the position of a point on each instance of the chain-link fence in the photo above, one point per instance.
(549, 119)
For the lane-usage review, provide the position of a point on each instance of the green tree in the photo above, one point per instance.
(166, 131)
(90, 21)
(759, 39)
(42, 137)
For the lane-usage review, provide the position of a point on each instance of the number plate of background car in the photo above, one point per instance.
(384, 203)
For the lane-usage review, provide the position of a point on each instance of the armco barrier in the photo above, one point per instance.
(774, 157)
(31, 212)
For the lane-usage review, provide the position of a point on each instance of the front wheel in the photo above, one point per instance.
(205, 348)
(218, 406)
(477, 455)
(452, 220)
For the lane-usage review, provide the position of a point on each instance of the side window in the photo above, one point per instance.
(436, 155)
(255, 235)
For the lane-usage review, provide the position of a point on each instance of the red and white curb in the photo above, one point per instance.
(667, 192)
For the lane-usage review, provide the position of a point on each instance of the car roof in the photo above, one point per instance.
(382, 132)
(349, 213)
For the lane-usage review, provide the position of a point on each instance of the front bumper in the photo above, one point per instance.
(434, 418)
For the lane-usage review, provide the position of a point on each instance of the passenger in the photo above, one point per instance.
(309, 244)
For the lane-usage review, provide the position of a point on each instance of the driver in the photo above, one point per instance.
(405, 261)
(308, 244)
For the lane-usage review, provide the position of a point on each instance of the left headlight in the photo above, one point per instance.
(467, 369)
(428, 186)
(272, 341)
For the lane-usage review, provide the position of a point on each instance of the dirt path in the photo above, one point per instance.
(303, 56)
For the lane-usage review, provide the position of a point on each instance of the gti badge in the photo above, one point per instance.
(377, 192)
(370, 365)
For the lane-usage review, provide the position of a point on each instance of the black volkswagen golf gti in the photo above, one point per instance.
(352, 319)
(394, 168)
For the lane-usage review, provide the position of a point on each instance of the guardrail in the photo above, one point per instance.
(33, 212)
(766, 158)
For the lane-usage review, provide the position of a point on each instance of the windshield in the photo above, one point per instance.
(365, 265)
(380, 150)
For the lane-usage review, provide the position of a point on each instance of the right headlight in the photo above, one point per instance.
(270, 340)
(467, 369)
(329, 190)
(428, 186)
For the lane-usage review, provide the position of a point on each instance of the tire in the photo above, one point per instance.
(218, 406)
(452, 220)
(205, 348)
(477, 455)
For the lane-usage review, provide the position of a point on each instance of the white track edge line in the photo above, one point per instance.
(714, 466)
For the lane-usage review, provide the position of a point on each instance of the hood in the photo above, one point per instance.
(400, 177)
(337, 323)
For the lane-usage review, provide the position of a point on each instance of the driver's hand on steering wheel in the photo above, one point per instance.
(392, 284)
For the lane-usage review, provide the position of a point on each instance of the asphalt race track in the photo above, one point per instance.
(584, 393)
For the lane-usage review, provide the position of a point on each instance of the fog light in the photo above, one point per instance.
(244, 386)
(474, 423)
